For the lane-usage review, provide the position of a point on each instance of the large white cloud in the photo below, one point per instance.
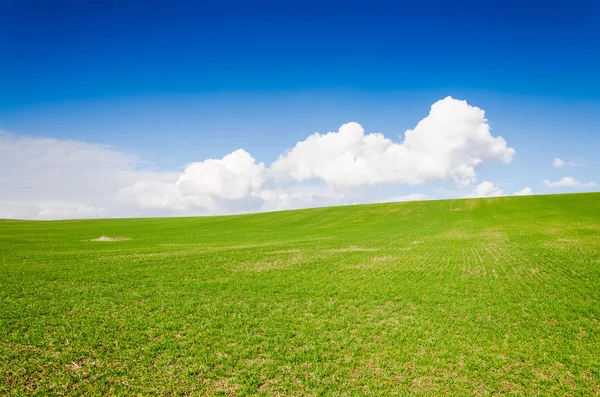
(50, 178)
(231, 184)
(451, 142)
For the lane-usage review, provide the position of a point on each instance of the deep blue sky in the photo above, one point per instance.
(63, 50)
(179, 82)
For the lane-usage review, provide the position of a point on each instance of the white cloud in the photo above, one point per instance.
(231, 184)
(409, 197)
(526, 191)
(450, 143)
(54, 211)
(567, 181)
(49, 178)
(302, 196)
(486, 189)
(558, 163)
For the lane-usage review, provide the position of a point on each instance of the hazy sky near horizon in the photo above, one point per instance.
(155, 108)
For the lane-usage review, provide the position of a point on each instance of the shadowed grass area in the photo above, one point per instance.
(496, 296)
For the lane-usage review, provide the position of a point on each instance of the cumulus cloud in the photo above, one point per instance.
(558, 163)
(567, 181)
(526, 191)
(45, 178)
(450, 143)
(231, 184)
(486, 189)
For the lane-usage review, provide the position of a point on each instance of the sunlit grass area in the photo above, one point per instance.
(496, 296)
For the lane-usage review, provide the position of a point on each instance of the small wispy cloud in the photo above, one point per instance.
(568, 181)
(560, 163)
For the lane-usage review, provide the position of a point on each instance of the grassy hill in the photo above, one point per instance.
(495, 296)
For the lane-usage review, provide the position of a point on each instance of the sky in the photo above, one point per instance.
(155, 108)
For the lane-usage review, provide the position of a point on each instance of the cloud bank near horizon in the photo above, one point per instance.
(568, 181)
(48, 178)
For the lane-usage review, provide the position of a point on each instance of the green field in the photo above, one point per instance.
(496, 296)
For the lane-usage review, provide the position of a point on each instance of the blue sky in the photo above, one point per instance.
(172, 83)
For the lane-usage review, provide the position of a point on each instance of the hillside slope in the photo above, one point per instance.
(454, 297)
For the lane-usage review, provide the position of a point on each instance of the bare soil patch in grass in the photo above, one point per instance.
(106, 238)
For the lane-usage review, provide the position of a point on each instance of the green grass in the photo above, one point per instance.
(481, 297)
